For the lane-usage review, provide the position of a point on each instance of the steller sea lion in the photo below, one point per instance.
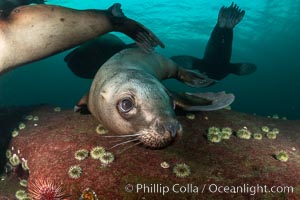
(33, 32)
(127, 97)
(216, 61)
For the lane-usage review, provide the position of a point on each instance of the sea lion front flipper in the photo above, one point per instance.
(242, 68)
(144, 38)
(193, 78)
(208, 101)
(81, 106)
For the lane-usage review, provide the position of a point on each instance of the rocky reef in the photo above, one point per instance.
(191, 168)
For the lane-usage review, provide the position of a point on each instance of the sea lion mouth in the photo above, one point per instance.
(159, 139)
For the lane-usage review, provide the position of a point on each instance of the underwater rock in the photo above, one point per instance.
(49, 150)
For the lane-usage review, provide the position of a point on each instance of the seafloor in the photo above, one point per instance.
(49, 145)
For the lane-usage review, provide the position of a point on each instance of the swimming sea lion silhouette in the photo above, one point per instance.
(216, 61)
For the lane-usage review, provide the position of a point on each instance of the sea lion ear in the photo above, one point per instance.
(208, 101)
(81, 106)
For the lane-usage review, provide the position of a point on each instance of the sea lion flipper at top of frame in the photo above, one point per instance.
(144, 37)
(6, 6)
(207, 101)
(65, 28)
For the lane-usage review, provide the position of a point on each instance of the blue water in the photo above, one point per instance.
(267, 36)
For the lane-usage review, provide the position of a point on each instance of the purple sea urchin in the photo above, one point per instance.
(43, 189)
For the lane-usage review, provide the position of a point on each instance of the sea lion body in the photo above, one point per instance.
(33, 32)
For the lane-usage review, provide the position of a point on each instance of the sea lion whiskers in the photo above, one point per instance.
(135, 144)
(115, 136)
(125, 142)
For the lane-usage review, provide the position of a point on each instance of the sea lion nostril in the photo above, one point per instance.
(172, 128)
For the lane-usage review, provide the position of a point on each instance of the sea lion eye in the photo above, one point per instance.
(125, 105)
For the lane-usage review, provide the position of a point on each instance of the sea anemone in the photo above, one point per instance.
(75, 171)
(21, 194)
(14, 160)
(8, 154)
(44, 189)
(190, 116)
(257, 136)
(36, 118)
(101, 130)
(22, 126)
(181, 170)
(15, 133)
(282, 156)
(243, 134)
(107, 157)
(226, 133)
(96, 152)
(57, 109)
(25, 165)
(214, 134)
(271, 135)
(23, 182)
(214, 138)
(275, 130)
(275, 116)
(265, 129)
(81, 154)
(28, 117)
(214, 130)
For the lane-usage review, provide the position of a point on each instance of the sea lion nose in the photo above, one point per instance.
(172, 128)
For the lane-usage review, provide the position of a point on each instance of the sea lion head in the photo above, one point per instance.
(135, 102)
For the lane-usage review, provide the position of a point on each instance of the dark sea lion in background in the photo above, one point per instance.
(128, 98)
(34, 32)
(216, 61)
(86, 60)
(6, 6)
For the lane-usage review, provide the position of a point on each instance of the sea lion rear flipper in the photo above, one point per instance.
(144, 38)
(242, 68)
(81, 106)
(208, 101)
(193, 78)
(230, 16)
